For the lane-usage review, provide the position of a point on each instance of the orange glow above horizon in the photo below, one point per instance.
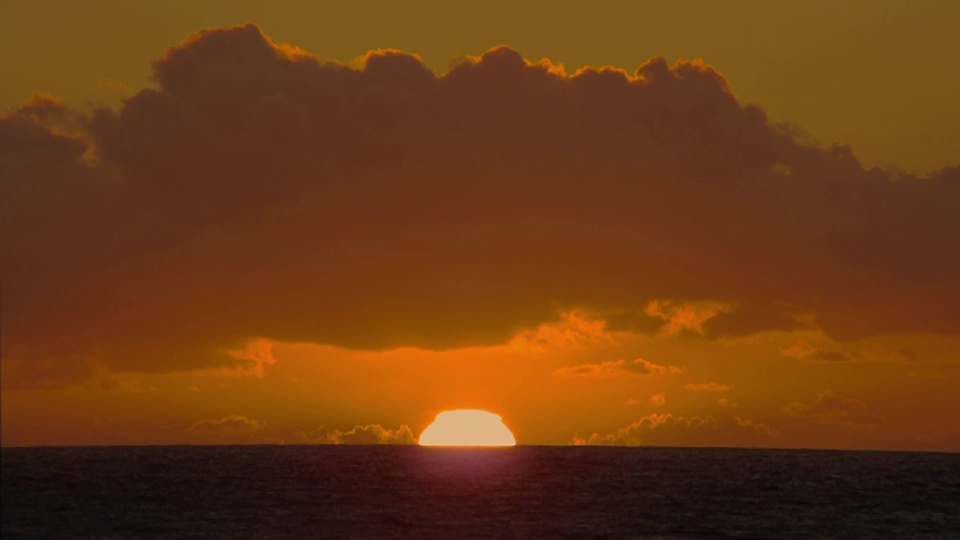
(312, 237)
(467, 427)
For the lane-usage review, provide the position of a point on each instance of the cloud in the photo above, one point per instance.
(47, 373)
(804, 351)
(615, 368)
(833, 409)
(127, 386)
(367, 434)
(708, 387)
(258, 192)
(658, 399)
(684, 317)
(232, 424)
(807, 352)
(666, 429)
(252, 360)
(573, 329)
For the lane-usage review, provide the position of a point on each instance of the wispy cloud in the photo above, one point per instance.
(233, 424)
(831, 408)
(708, 387)
(616, 368)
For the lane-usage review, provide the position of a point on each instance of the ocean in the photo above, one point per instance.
(520, 492)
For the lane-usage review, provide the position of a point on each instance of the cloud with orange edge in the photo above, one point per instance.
(257, 192)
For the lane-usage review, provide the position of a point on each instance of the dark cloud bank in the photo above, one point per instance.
(260, 192)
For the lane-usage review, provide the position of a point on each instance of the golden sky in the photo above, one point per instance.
(667, 223)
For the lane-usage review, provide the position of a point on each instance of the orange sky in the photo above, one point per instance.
(270, 235)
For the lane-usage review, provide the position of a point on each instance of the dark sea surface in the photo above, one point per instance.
(522, 492)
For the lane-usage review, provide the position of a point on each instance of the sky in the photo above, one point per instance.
(660, 223)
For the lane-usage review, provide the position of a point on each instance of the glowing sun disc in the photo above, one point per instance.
(467, 427)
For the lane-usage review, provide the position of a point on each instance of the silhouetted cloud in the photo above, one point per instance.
(831, 408)
(367, 434)
(258, 192)
(666, 429)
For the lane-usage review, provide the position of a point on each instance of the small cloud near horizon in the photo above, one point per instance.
(365, 434)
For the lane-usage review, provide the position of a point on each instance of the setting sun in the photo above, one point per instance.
(467, 427)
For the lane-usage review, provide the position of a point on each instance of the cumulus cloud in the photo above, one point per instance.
(258, 192)
(614, 368)
(232, 424)
(666, 429)
(830, 408)
(708, 387)
(366, 434)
